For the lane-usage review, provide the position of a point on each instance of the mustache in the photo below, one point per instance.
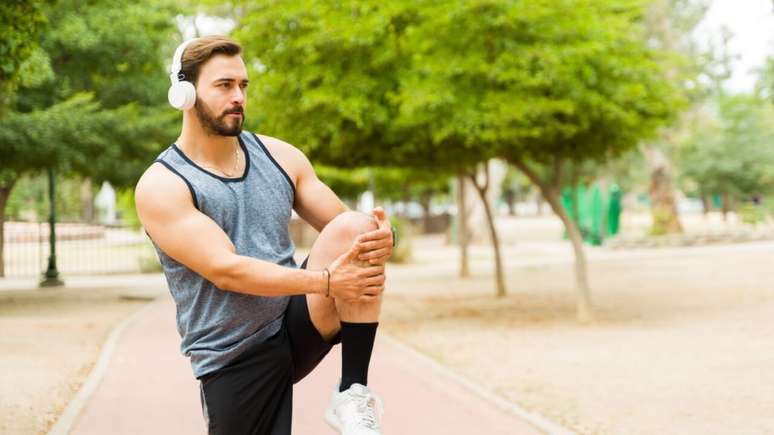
(236, 110)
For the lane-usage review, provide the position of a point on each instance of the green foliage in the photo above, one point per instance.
(542, 80)
(127, 209)
(451, 83)
(348, 184)
(396, 184)
(325, 72)
(114, 49)
(77, 136)
(30, 194)
(97, 108)
(765, 85)
(661, 219)
(516, 181)
(21, 23)
(669, 27)
(629, 171)
(732, 152)
(751, 214)
(389, 184)
(403, 249)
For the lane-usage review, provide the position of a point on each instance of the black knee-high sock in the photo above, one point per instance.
(357, 342)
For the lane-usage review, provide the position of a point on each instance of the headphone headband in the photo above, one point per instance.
(177, 60)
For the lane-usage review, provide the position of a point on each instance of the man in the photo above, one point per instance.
(216, 205)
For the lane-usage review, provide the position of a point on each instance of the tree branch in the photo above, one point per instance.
(529, 172)
(557, 175)
(486, 175)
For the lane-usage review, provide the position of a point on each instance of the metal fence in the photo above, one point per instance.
(81, 249)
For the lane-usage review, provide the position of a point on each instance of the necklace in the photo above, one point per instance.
(236, 165)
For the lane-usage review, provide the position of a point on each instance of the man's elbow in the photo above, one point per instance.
(223, 273)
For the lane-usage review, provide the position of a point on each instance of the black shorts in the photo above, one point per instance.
(253, 394)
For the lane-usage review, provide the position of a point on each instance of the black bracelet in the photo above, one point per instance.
(394, 236)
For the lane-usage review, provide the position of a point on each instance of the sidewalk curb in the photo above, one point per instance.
(536, 420)
(73, 410)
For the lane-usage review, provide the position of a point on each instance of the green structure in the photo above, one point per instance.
(596, 212)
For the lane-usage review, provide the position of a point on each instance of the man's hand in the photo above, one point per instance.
(352, 282)
(376, 246)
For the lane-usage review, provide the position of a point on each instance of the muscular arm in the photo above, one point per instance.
(166, 210)
(315, 202)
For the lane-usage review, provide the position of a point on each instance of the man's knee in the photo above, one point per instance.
(350, 224)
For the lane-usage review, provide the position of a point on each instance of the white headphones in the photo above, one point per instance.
(181, 94)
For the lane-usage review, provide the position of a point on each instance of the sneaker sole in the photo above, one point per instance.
(332, 420)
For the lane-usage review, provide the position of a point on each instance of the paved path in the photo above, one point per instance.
(148, 388)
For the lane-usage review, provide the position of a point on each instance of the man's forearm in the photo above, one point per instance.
(249, 275)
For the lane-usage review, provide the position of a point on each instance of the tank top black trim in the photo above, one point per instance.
(223, 179)
(268, 154)
(188, 183)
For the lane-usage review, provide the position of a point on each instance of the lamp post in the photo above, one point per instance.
(51, 276)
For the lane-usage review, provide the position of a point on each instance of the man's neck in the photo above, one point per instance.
(205, 147)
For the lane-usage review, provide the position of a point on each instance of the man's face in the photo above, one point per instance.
(221, 95)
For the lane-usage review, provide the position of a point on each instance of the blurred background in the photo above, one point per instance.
(584, 189)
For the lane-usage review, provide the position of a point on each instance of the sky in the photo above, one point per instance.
(752, 24)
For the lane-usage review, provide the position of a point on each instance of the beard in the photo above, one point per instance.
(219, 125)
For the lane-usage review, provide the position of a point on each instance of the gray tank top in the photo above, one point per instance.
(217, 325)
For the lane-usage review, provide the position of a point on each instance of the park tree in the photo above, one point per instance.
(453, 84)
(329, 75)
(698, 70)
(348, 184)
(544, 84)
(21, 24)
(22, 64)
(96, 106)
(409, 184)
(765, 84)
(731, 153)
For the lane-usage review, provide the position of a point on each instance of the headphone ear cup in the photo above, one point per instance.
(182, 95)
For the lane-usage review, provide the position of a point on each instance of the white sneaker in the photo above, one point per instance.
(355, 411)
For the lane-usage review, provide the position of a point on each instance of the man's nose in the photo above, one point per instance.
(238, 96)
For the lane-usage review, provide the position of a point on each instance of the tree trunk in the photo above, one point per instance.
(539, 200)
(550, 193)
(5, 193)
(662, 199)
(510, 197)
(87, 201)
(462, 227)
(706, 203)
(403, 212)
(424, 200)
(726, 206)
(482, 190)
(585, 310)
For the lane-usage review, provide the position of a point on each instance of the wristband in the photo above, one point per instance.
(394, 236)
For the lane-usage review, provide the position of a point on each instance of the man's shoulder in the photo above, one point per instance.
(290, 158)
(280, 148)
(273, 142)
(157, 179)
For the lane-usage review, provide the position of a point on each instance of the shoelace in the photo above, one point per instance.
(368, 405)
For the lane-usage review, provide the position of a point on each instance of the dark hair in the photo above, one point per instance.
(200, 51)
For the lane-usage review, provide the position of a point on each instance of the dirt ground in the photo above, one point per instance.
(682, 341)
(49, 343)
